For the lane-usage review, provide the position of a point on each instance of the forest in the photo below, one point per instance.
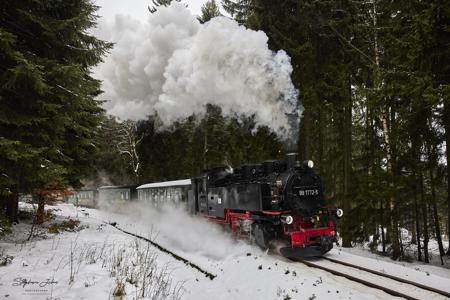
(373, 78)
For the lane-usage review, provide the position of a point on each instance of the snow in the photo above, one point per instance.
(424, 273)
(243, 271)
(165, 183)
(415, 292)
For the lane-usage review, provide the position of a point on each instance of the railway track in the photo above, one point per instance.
(392, 285)
(163, 249)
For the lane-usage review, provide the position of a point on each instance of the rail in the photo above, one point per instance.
(402, 284)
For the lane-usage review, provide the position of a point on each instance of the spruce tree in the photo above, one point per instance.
(157, 3)
(209, 10)
(243, 11)
(48, 113)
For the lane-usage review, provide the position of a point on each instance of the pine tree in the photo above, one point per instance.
(243, 11)
(157, 3)
(48, 113)
(209, 10)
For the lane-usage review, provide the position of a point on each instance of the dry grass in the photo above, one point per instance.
(119, 289)
(134, 267)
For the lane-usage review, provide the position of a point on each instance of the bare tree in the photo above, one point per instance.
(128, 141)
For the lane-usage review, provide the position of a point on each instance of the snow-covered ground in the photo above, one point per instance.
(96, 259)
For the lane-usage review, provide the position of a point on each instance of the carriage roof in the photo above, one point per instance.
(173, 183)
(111, 187)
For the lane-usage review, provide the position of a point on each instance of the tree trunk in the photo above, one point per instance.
(424, 207)
(12, 202)
(447, 139)
(347, 141)
(383, 237)
(388, 123)
(320, 142)
(437, 228)
(416, 220)
(40, 213)
(395, 238)
(387, 118)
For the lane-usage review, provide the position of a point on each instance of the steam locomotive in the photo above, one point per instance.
(276, 202)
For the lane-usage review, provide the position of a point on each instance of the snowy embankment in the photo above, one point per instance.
(99, 261)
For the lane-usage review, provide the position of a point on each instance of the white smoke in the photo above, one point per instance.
(174, 228)
(173, 66)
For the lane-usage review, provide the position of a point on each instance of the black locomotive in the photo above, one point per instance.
(276, 201)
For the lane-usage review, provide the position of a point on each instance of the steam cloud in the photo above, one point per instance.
(174, 228)
(173, 66)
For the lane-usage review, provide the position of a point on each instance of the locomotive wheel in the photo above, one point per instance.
(262, 235)
(234, 233)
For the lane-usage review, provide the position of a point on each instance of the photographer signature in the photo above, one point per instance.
(23, 282)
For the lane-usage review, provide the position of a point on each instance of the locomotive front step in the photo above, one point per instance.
(309, 251)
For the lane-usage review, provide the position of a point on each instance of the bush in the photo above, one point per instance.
(119, 290)
(68, 225)
(5, 260)
(5, 227)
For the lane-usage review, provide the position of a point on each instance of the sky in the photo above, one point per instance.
(137, 8)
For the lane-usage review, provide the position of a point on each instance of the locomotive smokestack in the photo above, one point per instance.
(291, 159)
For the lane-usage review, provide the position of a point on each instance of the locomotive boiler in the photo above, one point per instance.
(275, 202)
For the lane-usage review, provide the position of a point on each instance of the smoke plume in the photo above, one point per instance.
(174, 228)
(173, 66)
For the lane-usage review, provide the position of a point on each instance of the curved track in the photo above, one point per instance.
(161, 248)
(392, 285)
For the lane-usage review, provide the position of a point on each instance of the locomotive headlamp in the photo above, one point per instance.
(287, 219)
(339, 213)
(308, 163)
